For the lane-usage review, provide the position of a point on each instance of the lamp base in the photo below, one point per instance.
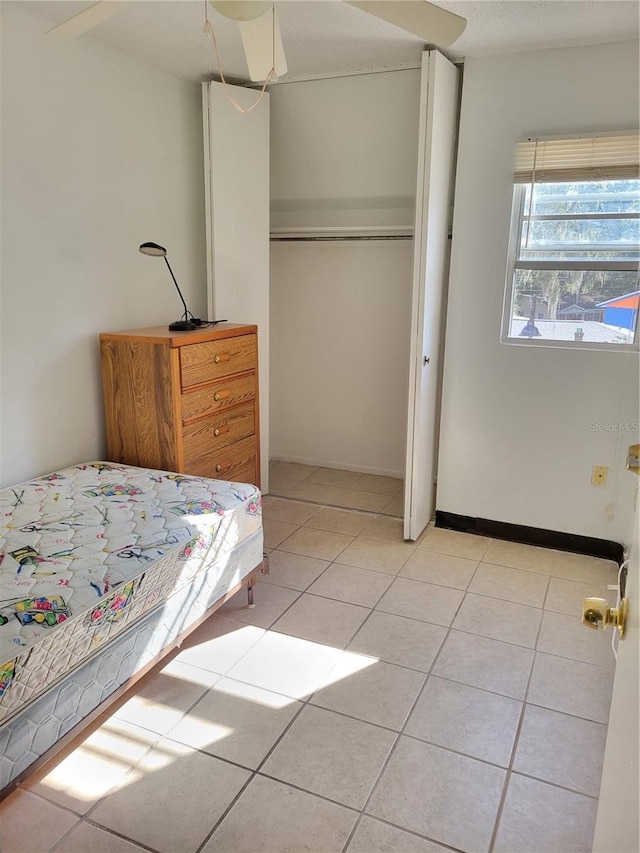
(182, 326)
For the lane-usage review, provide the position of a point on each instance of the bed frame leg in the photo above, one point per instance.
(250, 603)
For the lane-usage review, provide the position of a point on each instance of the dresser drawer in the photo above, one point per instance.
(214, 359)
(234, 462)
(218, 396)
(205, 438)
(245, 475)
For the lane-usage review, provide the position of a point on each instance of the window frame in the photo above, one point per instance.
(517, 222)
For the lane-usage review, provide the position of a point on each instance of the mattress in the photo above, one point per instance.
(95, 550)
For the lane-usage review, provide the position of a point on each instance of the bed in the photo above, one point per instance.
(104, 569)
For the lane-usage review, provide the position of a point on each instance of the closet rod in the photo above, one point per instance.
(341, 238)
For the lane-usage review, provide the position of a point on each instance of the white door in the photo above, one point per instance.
(617, 829)
(438, 120)
(237, 211)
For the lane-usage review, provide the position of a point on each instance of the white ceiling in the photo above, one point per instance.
(328, 37)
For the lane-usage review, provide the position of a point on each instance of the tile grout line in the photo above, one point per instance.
(557, 785)
(258, 771)
(253, 773)
(135, 764)
(298, 787)
(159, 737)
(428, 675)
(303, 703)
(397, 741)
(516, 743)
(379, 512)
(446, 847)
(117, 834)
(224, 814)
(338, 488)
(371, 610)
(65, 835)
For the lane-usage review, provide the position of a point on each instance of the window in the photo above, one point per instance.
(572, 276)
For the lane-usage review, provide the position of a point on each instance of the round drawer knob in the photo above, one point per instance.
(216, 359)
(216, 432)
(218, 468)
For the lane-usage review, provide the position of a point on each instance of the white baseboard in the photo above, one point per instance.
(343, 466)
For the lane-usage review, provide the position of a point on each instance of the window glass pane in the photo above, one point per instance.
(590, 221)
(593, 306)
(581, 239)
(585, 197)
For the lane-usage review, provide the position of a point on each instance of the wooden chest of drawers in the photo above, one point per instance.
(184, 401)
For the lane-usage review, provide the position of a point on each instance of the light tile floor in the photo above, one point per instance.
(382, 696)
(335, 487)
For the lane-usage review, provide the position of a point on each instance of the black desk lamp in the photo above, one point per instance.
(186, 324)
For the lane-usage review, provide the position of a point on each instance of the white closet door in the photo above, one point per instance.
(237, 210)
(436, 148)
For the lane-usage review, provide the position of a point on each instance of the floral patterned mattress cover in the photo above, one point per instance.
(86, 549)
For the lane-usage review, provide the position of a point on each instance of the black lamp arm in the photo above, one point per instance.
(186, 310)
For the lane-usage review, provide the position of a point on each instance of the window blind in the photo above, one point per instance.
(605, 157)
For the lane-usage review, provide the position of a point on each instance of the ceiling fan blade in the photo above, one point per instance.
(87, 19)
(431, 23)
(241, 10)
(263, 48)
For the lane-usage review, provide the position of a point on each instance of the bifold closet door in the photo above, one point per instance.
(236, 149)
(434, 192)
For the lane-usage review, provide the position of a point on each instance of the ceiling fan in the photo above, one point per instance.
(260, 31)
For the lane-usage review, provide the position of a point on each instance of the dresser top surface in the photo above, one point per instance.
(162, 335)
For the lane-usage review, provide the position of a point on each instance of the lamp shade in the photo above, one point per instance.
(153, 249)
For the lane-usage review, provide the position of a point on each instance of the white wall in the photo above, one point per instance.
(99, 154)
(340, 321)
(344, 153)
(344, 150)
(516, 441)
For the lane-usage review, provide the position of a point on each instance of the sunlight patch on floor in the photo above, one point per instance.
(298, 667)
(101, 762)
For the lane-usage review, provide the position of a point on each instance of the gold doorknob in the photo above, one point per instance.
(597, 614)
